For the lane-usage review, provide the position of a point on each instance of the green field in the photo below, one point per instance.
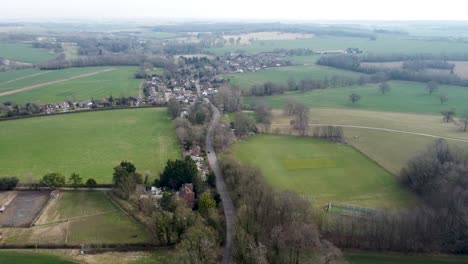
(16, 257)
(282, 74)
(24, 52)
(403, 97)
(90, 144)
(117, 82)
(324, 171)
(364, 258)
(381, 45)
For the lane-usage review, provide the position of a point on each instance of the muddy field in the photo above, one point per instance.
(23, 209)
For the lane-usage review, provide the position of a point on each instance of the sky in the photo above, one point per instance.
(272, 10)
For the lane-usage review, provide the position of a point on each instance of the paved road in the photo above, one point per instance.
(385, 129)
(228, 206)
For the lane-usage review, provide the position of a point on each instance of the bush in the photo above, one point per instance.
(53, 180)
(91, 183)
(8, 183)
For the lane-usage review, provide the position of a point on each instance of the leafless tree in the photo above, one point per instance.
(443, 98)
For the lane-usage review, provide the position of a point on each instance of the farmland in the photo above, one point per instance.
(104, 82)
(90, 144)
(381, 45)
(24, 53)
(403, 97)
(282, 74)
(79, 217)
(324, 171)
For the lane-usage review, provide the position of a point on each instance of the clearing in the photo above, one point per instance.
(24, 53)
(71, 84)
(406, 97)
(322, 171)
(90, 144)
(281, 75)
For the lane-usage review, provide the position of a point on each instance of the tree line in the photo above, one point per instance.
(438, 177)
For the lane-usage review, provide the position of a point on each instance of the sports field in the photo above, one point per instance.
(281, 75)
(90, 144)
(24, 52)
(403, 97)
(322, 171)
(373, 258)
(381, 45)
(22, 257)
(79, 217)
(56, 86)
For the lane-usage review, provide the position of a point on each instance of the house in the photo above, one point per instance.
(186, 193)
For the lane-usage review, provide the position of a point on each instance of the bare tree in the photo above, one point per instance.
(243, 124)
(263, 114)
(448, 115)
(431, 87)
(464, 120)
(174, 108)
(354, 98)
(384, 87)
(443, 98)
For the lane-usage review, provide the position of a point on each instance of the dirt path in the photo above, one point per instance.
(54, 82)
(385, 129)
(25, 77)
(228, 206)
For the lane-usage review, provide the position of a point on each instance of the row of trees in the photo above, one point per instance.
(272, 227)
(440, 224)
(56, 180)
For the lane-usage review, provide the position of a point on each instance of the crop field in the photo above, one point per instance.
(79, 217)
(409, 97)
(98, 82)
(387, 148)
(24, 257)
(260, 36)
(322, 171)
(381, 45)
(23, 209)
(24, 52)
(374, 258)
(90, 144)
(280, 75)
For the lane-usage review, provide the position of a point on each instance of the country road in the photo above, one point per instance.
(384, 129)
(228, 206)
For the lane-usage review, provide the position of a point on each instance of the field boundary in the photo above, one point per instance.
(41, 212)
(31, 87)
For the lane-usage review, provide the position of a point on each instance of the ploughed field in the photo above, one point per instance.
(72, 84)
(90, 144)
(322, 171)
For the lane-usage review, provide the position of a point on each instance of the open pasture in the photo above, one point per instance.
(390, 149)
(410, 97)
(25, 257)
(90, 144)
(24, 53)
(281, 75)
(98, 82)
(381, 45)
(324, 171)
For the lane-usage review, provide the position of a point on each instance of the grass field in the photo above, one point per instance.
(374, 258)
(24, 52)
(22, 257)
(324, 171)
(282, 74)
(403, 97)
(117, 82)
(381, 45)
(389, 149)
(90, 144)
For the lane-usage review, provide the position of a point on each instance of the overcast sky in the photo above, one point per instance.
(237, 9)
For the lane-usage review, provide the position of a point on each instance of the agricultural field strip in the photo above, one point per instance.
(54, 82)
(382, 129)
(77, 218)
(25, 77)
